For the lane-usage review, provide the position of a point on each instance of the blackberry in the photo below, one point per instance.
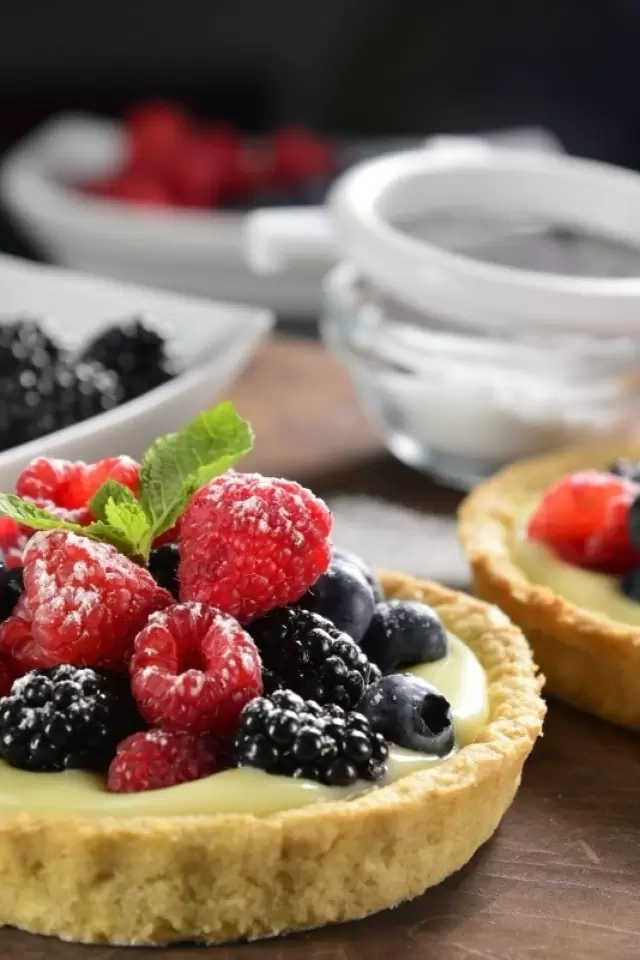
(137, 351)
(26, 344)
(65, 717)
(304, 652)
(628, 469)
(39, 401)
(630, 584)
(284, 734)
(163, 567)
(11, 586)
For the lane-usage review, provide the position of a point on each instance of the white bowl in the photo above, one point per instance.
(213, 342)
(198, 252)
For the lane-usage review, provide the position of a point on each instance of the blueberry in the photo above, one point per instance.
(402, 633)
(343, 596)
(410, 712)
(348, 557)
(630, 584)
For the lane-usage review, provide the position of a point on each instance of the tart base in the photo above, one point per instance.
(589, 660)
(221, 878)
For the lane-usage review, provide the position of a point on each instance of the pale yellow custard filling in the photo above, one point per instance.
(459, 676)
(598, 592)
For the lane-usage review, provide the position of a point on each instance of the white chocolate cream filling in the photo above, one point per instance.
(459, 676)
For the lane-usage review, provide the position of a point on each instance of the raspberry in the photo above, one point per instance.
(583, 518)
(17, 643)
(87, 602)
(133, 187)
(156, 759)
(156, 134)
(250, 543)
(193, 669)
(68, 485)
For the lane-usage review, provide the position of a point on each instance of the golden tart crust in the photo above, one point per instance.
(589, 660)
(220, 878)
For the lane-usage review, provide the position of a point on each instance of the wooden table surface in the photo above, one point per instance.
(561, 879)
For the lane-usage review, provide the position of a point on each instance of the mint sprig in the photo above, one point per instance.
(178, 464)
(172, 469)
(28, 514)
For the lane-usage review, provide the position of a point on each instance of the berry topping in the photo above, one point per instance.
(138, 352)
(404, 632)
(630, 584)
(250, 543)
(26, 345)
(65, 717)
(307, 654)
(194, 669)
(11, 586)
(87, 601)
(410, 712)
(8, 673)
(287, 735)
(163, 567)
(583, 519)
(12, 542)
(633, 524)
(156, 759)
(629, 469)
(63, 483)
(343, 596)
(16, 641)
(348, 557)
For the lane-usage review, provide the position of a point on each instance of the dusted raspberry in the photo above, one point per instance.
(87, 602)
(157, 759)
(70, 485)
(194, 669)
(583, 519)
(17, 643)
(250, 543)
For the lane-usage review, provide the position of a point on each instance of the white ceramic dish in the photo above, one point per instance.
(213, 342)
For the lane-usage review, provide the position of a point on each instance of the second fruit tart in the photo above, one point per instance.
(209, 715)
(555, 542)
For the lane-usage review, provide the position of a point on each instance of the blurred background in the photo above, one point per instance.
(345, 68)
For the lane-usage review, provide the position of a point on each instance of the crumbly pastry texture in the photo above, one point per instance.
(589, 660)
(222, 878)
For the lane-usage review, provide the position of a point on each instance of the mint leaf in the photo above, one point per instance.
(128, 520)
(177, 464)
(110, 490)
(108, 534)
(27, 513)
(23, 511)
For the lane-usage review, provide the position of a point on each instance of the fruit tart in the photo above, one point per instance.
(215, 725)
(555, 542)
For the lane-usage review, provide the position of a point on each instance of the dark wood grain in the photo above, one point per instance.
(561, 879)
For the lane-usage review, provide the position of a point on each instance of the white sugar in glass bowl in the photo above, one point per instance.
(487, 303)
